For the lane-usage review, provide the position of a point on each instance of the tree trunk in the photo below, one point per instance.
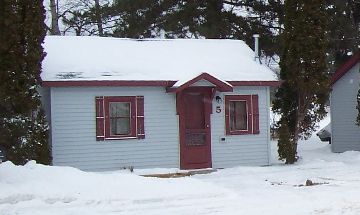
(98, 18)
(303, 105)
(294, 142)
(54, 30)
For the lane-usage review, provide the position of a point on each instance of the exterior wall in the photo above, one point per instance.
(73, 130)
(249, 149)
(345, 134)
(45, 103)
(74, 143)
(202, 83)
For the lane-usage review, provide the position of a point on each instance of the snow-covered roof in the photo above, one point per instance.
(71, 58)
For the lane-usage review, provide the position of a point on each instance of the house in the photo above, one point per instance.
(345, 134)
(183, 103)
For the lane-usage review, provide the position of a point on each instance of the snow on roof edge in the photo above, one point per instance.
(71, 58)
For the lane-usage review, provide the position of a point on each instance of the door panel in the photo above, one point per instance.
(195, 145)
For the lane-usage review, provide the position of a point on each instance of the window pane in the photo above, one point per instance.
(119, 109)
(119, 118)
(120, 126)
(238, 115)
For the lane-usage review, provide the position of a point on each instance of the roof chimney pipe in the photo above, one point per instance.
(256, 37)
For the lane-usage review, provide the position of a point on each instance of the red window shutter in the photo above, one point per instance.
(250, 114)
(140, 117)
(255, 112)
(100, 119)
(227, 115)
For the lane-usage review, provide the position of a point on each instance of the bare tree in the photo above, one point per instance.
(98, 18)
(54, 29)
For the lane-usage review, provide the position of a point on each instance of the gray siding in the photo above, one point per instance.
(345, 134)
(45, 103)
(202, 83)
(73, 126)
(74, 143)
(249, 149)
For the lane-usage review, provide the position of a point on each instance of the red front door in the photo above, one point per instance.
(195, 137)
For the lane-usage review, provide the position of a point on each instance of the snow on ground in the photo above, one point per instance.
(277, 189)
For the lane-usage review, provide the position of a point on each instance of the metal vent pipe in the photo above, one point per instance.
(256, 37)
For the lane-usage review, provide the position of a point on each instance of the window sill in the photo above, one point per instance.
(120, 138)
(239, 133)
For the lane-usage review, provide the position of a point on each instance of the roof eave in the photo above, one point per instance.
(165, 83)
(220, 85)
(342, 70)
(93, 83)
(255, 83)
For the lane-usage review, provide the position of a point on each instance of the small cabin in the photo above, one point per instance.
(167, 103)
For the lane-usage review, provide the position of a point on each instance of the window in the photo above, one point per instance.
(238, 116)
(241, 114)
(119, 117)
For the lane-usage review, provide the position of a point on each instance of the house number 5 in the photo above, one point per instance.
(218, 109)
